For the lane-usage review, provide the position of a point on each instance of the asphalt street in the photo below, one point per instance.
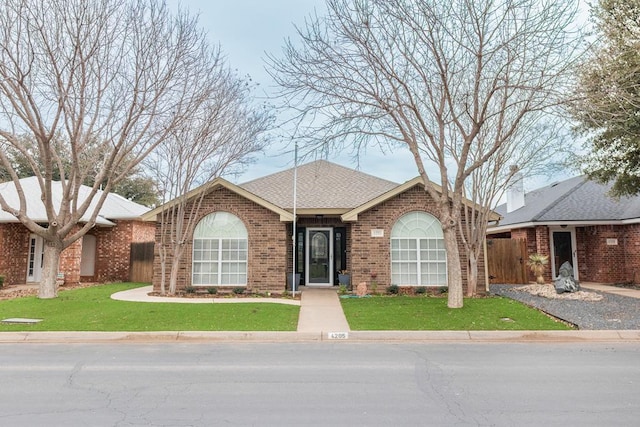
(328, 383)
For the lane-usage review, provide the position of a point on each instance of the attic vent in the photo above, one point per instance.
(554, 184)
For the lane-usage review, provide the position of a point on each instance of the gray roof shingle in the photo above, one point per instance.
(575, 199)
(320, 185)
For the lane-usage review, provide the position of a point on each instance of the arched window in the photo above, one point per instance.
(220, 251)
(418, 256)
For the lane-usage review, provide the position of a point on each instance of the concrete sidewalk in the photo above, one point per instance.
(625, 292)
(321, 316)
(434, 337)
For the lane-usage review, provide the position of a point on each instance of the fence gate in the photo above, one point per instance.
(507, 261)
(141, 262)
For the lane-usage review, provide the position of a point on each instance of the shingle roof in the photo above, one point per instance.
(115, 206)
(575, 199)
(320, 185)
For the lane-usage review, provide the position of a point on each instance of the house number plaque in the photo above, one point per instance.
(377, 232)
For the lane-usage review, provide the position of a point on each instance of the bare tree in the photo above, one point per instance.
(538, 148)
(105, 81)
(430, 76)
(218, 138)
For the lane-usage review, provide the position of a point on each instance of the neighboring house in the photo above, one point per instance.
(577, 221)
(101, 255)
(380, 231)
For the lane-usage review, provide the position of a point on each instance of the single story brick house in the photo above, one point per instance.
(101, 255)
(379, 231)
(576, 220)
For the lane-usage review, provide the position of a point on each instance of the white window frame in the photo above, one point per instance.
(217, 245)
(416, 259)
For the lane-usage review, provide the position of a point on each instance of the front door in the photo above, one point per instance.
(319, 257)
(563, 248)
(36, 258)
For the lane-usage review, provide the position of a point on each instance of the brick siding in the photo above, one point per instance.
(372, 254)
(14, 251)
(112, 252)
(267, 243)
(597, 260)
(270, 248)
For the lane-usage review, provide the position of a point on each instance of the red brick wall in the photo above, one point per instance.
(632, 252)
(270, 249)
(597, 261)
(14, 250)
(267, 238)
(372, 255)
(142, 231)
(112, 247)
(70, 263)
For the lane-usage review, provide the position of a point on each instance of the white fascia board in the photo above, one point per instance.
(502, 228)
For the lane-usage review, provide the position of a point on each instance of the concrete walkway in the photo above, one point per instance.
(320, 308)
(321, 311)
(625, 292)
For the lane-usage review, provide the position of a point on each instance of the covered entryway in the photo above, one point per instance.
(321, 253)
(319, 257)
(563, 248)
(88, 256)
(36, 258)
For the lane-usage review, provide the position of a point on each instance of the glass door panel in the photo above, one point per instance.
(319, 256)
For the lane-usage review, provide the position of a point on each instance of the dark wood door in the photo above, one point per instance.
(507, 259)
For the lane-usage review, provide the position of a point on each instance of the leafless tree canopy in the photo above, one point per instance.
(218, 138)
(107, 80)
(452, 81)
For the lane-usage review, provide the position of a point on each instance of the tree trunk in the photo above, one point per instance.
(48, 287)
(178, 250)
(162, 254)
(472, 274)
(454, 270)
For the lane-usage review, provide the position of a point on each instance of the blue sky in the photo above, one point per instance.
(249, 29)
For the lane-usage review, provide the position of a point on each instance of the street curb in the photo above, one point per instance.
(352, 336)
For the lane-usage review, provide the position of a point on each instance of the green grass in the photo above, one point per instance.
(422, 313)
(92, 309)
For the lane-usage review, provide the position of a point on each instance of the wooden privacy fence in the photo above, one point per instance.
(141, 262)
(507, 259)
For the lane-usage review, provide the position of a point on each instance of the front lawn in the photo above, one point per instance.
(92, 309)
(423, 313)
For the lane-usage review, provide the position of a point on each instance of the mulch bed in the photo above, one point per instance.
(224, 295)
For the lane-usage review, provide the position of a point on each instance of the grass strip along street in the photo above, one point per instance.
(428, 313)
(92, 309)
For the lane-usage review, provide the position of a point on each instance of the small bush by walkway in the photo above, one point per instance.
(92, 309)
(423, 313)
